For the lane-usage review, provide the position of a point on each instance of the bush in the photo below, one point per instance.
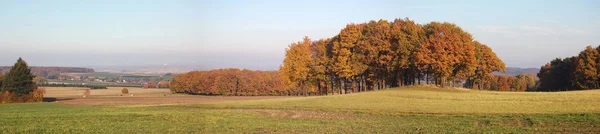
(5, 97)
(36, 96)
(86, 93)
(125, 91)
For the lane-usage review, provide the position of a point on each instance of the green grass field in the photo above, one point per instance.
(414, 110)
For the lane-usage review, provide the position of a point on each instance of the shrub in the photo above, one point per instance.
(125, 91)
(86, 93)
(38, 95)
(5, 97)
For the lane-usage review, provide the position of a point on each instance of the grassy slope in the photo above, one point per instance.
(389, 111)
(442, 101)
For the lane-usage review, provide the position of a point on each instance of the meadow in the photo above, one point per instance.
(400, 110)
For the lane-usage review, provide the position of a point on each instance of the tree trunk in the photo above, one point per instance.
(426, 79)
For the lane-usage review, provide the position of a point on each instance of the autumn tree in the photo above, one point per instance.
(297, 64)
(124, 91)
(230, 82)
(586, 73)
(528, 81)
(345, 62)
(406, 37)
(557, 75)
(486, 63)
(321, 64)
(448, 52)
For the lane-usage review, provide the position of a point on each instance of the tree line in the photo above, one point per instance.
(18, 85)
(383, 54)
(578, 72)
(519, 83)
(230, 82)
(51, 72)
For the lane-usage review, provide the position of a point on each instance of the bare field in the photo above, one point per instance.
(77, 92)
(112, 95)
(161, 100)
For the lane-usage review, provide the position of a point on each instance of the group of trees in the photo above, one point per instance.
(160, 84)
(73, 85)
(382, 54)
(573, 73)
(18, 85)
(51, 72)
(519, 83)
(230, 82)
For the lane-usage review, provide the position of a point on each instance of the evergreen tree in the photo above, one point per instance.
(19, 79)
(1, 80)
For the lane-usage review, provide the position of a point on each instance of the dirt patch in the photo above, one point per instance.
(76, 92)
(300, 114)
(160, 100)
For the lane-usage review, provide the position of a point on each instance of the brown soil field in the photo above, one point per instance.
(159, 100)
(112, 95)
(77, 92)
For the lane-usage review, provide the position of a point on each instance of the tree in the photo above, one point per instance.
(558, 75)
(407, 36)
(376, 50)
(19, 79)
(486, 63)
(528, 80)
(124, 91)
(297, 64)
(447, 52)
(1, 80)
(320, 66)
(87, 92)
(586, 73)
(345, 62)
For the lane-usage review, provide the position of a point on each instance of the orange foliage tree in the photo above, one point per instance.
(231, 82)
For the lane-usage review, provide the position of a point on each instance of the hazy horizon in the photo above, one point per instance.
(254, 34)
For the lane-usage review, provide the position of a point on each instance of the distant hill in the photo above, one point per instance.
(513, 71)
(51, 72)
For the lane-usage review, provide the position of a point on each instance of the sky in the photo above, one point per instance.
(253, 34)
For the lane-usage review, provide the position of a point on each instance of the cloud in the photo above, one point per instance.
(539, 30)
(575, 31)
(419, 7)
(550, 21)
(494, 29)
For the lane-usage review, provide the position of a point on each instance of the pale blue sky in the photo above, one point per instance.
(254, 34)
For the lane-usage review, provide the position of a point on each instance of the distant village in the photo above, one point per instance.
(146, 81)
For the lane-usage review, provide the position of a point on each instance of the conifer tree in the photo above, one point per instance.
(19, 79)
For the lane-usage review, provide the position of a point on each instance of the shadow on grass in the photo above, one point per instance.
(51, 99)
